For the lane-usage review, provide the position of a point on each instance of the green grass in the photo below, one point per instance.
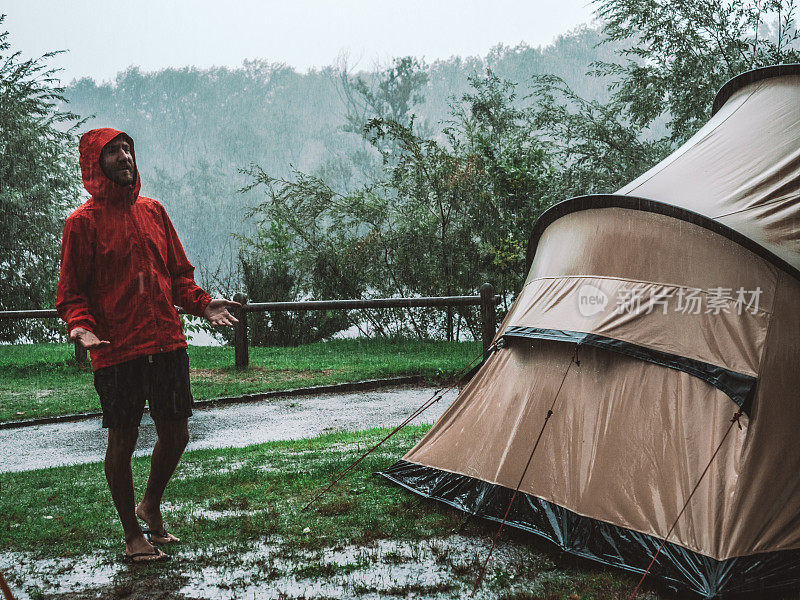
(38, 380)
(63, 511)
(258, 493)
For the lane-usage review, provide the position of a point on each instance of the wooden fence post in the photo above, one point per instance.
(80, 353)
(240, 332)
(488, 316)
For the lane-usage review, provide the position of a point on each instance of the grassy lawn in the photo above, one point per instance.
(237, 512)
(243, 535)
(39, 380)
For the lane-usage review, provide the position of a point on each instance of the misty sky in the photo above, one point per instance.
(105, 37)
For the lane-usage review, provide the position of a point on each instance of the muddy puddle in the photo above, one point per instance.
(436, 568)
(237, 425)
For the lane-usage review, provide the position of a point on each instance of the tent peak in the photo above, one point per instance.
(739, 81)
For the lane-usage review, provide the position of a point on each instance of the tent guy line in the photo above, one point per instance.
(6, 590)
(574, 360)
(734, 420)
(437, 395)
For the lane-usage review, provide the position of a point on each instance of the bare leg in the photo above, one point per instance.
(121, 444)
(172, 439)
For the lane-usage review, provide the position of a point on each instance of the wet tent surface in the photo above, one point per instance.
(236, 425)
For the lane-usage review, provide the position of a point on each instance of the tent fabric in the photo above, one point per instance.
(743, 79)
(643, 313)
(738, 387)
(678, 568)
(742, 168)
(591, 459)
(637, 422)
(639, 245)
(579, 203)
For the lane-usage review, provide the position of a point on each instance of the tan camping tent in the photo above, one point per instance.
(681, 296)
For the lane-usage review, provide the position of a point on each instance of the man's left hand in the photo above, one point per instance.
(217, 312)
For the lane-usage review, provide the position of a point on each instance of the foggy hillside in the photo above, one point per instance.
(196, 128)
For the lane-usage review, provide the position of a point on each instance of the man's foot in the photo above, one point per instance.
(139, 550)
(161, 537)
(155, 525)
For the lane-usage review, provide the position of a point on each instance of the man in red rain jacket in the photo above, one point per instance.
(122, 271)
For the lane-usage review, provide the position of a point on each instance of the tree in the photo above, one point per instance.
(681, 52)
(591, 147)
(391, 94)
(39, 184)
(512, 169)
(673, 56)
(445, 214)
(269, 274)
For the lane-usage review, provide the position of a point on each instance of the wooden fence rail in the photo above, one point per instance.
(487, 300)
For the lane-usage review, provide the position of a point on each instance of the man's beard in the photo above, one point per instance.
(123, 176)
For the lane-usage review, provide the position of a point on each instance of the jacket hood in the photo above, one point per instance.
(94, 180)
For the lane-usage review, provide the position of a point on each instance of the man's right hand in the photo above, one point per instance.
(87, 339)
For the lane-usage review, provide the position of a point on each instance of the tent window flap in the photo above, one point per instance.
(737, 386)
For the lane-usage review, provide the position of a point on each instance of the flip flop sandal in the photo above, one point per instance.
(131, 558)
(162, 534)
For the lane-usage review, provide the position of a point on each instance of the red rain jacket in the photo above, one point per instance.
(122, 267)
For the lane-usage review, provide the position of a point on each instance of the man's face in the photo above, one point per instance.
(116, 160)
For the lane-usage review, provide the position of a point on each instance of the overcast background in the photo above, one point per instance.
(105, 37)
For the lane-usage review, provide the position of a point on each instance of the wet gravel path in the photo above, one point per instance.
(225, 426)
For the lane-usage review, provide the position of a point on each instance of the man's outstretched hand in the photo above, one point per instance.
(87, 339)
(217, 312)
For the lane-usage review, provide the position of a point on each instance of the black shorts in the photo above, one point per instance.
(161, 379)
